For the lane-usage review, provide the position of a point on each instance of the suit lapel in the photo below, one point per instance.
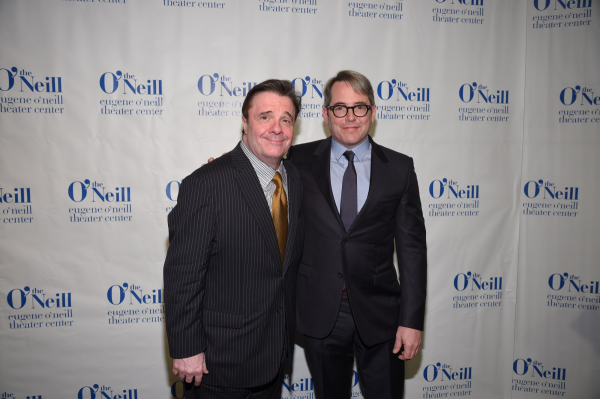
(292, 196)
(322, 175)
(378, 181)
(255, 199)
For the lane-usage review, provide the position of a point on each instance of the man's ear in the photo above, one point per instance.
(245, 125)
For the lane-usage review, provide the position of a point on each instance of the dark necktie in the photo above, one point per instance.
(279, 214)
(348, 202)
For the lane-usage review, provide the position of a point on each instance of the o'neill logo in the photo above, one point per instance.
(152, 313)
(446, 372)
(550, 191)
(527, 367)
(207, 84)
(573, 292)
(109, 83)
(562, 13)
(413, 103)
(463, 281)
(21, 211)
(120, 196)
(457, 381)
(386, 89)
(116, 295)
(104, 392)
(569, 95)
(473, 283)
(49, 310)
(304, 386)
(449, 191)
(308, 85)
(542, 5)
(18, 298)
(36, 95)
(20, 196)
(226, 89)
(130, 84)
(454, 191)
(557, 201)
(458, 14)
(534, 377)
(579, 97)
(78, 191)
(173, 189)
(572, 283)
(468, 92)
(27, 82)
(491, 105)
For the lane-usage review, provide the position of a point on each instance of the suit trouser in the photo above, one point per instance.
(330, 360)
(271, 390)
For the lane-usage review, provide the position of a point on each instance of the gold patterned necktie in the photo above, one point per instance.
(279, 214)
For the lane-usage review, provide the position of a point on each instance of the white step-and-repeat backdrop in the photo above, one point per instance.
(106, 105)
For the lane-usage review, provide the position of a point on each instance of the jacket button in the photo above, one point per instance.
(279, 310)
(344, 242)
(340, 275)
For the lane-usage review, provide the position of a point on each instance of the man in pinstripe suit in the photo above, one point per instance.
(236, 238)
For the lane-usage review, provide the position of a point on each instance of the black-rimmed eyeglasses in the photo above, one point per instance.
(341, 110)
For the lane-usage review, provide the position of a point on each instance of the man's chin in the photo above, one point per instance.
(277, 155)
(278, 147)
(352, 141)
(277, 143)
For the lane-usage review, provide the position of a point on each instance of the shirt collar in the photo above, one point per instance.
(264, 172)
(359, 151)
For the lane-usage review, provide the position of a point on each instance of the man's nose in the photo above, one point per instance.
(276, 127)
(350, 115)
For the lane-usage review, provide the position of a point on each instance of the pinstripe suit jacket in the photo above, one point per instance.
(226, 292)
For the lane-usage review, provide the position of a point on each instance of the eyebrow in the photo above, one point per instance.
(271, 112)
(357, 103)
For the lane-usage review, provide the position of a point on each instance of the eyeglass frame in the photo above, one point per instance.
(331, 107)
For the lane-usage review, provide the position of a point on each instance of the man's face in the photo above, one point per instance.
(349, 131)
(269, 129)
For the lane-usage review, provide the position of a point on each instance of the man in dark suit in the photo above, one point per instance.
(236, 237)
(359, 199)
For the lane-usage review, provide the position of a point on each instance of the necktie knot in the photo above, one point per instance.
(349, 155)
(277, 180)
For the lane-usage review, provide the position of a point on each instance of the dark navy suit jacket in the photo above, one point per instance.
(363, 256)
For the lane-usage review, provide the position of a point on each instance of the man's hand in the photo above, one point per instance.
(411, 339)
(191, 368)
(211, 159)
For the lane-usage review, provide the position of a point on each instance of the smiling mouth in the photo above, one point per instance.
(274, 140)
